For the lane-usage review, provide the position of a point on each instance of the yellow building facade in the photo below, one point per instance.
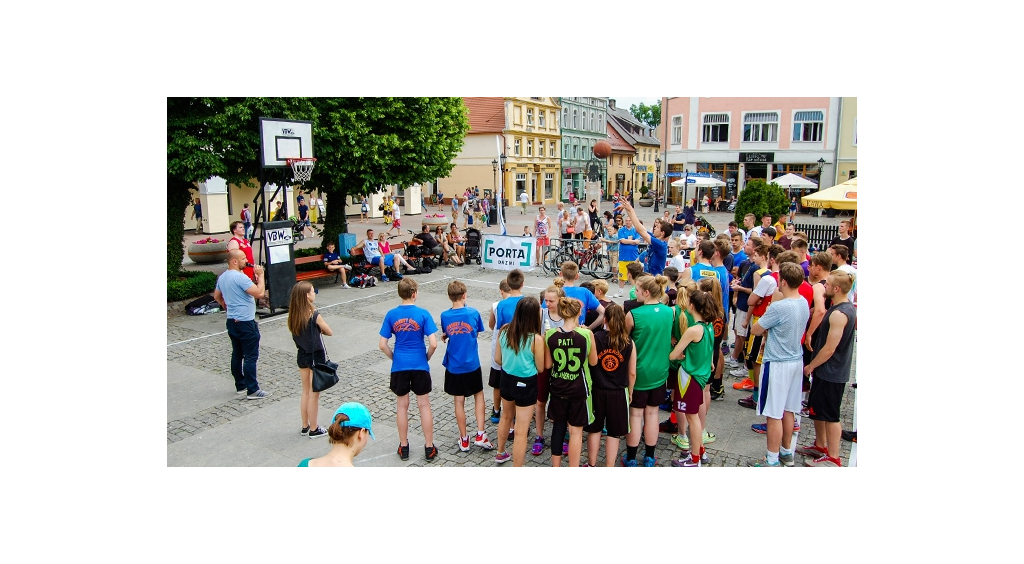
(532, 147)
(846, 152)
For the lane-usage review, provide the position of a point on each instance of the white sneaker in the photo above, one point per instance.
(740, 372)
(482, 442)
(346, 286)
(617, 295)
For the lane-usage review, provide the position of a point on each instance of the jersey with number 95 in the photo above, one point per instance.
(570, 369)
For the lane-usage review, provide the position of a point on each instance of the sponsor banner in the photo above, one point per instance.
(506, 253)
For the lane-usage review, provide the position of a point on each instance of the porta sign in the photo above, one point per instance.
(506, 253)
(282, 236)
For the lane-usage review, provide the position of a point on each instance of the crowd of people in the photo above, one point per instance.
(598, 370)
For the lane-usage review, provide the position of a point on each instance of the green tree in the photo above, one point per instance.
(363, 144)
(650, 115)
(760, 197)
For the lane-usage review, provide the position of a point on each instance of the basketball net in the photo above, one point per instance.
(302, 169)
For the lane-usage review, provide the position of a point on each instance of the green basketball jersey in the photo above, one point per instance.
(697, 362)
(652, 333)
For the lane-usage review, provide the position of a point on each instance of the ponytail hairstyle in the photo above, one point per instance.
(569, 308)
(525, 323)
(712, 287)
(338, 434)
(651, 285)
(558, 281)
(683, 290)
(300, 311)
(615, 318)
(703, 303)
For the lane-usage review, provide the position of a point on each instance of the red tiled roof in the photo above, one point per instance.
(486, 115)
(616, 140)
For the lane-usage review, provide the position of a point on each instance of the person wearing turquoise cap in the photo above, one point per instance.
(350, 430)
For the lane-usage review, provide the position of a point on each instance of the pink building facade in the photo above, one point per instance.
(739, 139)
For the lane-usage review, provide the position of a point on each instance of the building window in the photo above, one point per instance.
(553, 143)
(565, 116)
(677, 130)
(540, 148)
(716, 128)
(761, 126)
(517, 115)
(540, 117)
(808, 126)
(529, 116)
(600, 123)
(517, 148)
(549, 184)
(575, 119)
(529, 148)
(520, 184)
(620, 160)
(592, 121)
(575, 151)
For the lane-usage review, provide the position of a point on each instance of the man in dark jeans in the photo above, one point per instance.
(430, 245)
(235, 293)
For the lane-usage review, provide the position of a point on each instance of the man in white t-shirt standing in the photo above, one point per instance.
(525, 200)
(396, 221)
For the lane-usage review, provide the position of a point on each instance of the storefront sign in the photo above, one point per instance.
(757, 157)
(620, 177)
(506, 253)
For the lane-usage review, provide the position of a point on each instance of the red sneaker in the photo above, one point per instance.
(813, 451)
(824, 461)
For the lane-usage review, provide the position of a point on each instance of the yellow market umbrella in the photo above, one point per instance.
(840, 197)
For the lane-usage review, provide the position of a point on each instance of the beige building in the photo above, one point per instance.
(532, 137)
(846, 151)
(474, 164)
(644, 142)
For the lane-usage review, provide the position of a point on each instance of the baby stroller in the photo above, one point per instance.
(473, 245)
(297, 229)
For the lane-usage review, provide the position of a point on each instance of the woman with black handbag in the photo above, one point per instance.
(307, 327)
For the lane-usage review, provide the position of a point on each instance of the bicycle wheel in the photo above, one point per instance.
(552, 261)
(599, 266)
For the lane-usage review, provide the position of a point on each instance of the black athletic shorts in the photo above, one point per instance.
(755, 349)
(825, 400)
(416, 380)
(645, 398)
(465, 384)
(494, 380)
(808, 357)
(522, 391)
(611, 411)
(574, 412)
(306, 359)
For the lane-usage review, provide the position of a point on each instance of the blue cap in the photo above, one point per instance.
(358, 416)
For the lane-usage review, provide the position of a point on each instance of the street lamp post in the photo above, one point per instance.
(632, 176)
(657, 181)
(494, 186)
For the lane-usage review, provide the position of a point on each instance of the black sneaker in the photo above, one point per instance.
(403, 452)
(304, 431)
(431, 452)
(850, 436)
(720, 396)
(748, 403)
(667, 426)
(318, 432)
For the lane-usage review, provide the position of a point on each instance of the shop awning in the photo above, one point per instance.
(839, 197)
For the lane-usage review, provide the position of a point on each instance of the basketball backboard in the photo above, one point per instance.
(282, 139)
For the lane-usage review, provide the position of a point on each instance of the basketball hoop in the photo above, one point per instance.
(301, 168)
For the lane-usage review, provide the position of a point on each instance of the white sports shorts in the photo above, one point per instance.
(780, 388)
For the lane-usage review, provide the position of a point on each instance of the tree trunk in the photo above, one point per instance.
(336, 221)
(178, 199)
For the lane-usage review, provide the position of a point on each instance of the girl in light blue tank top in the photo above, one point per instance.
(521, 364)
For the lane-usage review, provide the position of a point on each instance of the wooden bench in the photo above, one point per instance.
(311, 274)
(417, 261)
(358, 252)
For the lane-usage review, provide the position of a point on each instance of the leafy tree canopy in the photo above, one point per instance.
(760, 197)
(650, 115)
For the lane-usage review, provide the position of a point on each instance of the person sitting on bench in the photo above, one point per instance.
(371, 250)
(430, 245)
(332, 262)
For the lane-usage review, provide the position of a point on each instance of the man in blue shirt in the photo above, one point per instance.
(304, 216)
(657, 239)
(410, 368)
(235, 293)
(332, 262)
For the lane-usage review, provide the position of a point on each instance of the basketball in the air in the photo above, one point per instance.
(602, 149)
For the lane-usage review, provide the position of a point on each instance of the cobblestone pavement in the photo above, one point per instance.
(200, 345)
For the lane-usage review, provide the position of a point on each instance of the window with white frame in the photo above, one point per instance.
(575, 151)
(529, 148)
(808, 126)
(716, 128)
(592, 122)
(540, 148)
(761, 127)
(540, 117)
(517, 148)
(565, 116)
(553, 143)
(529, 116)
(575, 119)
(600, 123)
(677, 130)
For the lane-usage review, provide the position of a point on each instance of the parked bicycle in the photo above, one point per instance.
(591, 256)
